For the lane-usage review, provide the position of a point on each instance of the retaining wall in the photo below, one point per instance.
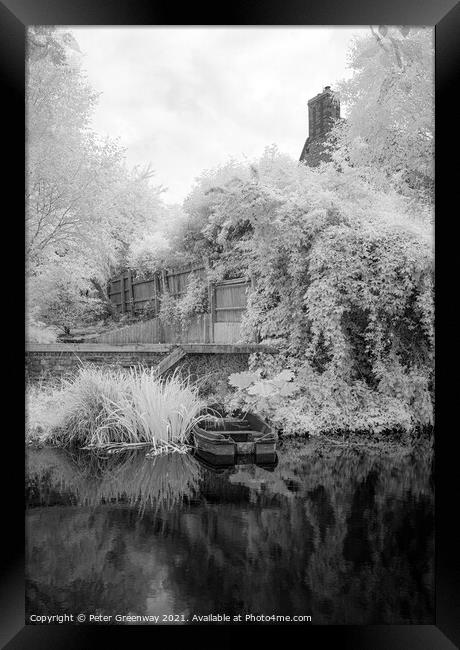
(208, 362)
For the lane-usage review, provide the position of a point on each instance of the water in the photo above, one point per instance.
(344, 536)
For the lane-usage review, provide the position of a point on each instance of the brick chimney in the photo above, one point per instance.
(323, 111)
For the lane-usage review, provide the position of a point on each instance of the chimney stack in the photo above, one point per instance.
(323, 111)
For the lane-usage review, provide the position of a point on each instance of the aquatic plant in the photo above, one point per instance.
(158, 411)
(100, 407)
(85, 410)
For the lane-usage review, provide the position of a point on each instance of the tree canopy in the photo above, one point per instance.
(388, 133)
(83, 204)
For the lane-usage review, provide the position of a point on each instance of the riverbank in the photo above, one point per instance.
(97, 407)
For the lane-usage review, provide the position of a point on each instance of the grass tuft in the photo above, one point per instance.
(99, 407)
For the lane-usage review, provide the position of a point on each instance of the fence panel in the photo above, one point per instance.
(178, 279)
(228, 304)
(144, 332)
(228, 300)
(130, 295)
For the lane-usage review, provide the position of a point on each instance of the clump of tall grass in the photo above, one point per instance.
(86, 412)
(158, 411)
(101, 407)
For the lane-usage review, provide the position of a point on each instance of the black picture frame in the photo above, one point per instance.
(15, 16)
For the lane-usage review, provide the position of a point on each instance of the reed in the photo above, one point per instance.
(101, 407)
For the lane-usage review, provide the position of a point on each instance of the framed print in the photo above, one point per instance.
(229, 313)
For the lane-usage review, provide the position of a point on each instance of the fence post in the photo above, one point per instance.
(109, 289)
(131, 291)
(253, 286)
(155, 295)
(212, 312)
(122, 287)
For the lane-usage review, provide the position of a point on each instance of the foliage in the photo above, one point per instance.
(43, 404)
(148, 253)
(179, 311)
(316, 403)
(154, 248)
(100, 406)
(341, 255)
(59, 296)
(83, 205)
(38, 332)
(388, 134)
(344, 287)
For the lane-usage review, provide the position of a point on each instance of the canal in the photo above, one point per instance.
(343, 535)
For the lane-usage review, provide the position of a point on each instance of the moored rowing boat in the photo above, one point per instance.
(240, 435)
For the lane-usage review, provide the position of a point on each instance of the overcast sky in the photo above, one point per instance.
(187, 99)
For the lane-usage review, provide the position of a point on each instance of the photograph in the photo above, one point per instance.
(230, 351)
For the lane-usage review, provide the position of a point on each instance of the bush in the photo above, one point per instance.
(179, 312)
(37, 332)
(312, 403)
(44, 405)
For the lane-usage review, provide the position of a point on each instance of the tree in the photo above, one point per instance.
(159, 245)
(61, 296)
(388, 134)
(83, 205)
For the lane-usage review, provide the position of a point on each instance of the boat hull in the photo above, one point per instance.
(227, 438)
(210, 447)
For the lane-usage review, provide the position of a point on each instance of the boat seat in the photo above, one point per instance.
(241, 436)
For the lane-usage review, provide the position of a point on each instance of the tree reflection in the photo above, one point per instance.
(343, 535)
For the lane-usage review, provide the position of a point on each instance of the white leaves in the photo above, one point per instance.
(262, 388)
(391, 103)
(284, 375)
(70, 41)
(242, 380)
(289, 389)
(280, 386)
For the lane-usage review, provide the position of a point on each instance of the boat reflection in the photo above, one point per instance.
(222, 464)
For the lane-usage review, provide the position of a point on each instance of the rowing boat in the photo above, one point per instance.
(242, 434)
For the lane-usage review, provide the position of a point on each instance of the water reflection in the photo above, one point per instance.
(342, 535)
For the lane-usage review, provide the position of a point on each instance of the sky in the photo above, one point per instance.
(188, 99)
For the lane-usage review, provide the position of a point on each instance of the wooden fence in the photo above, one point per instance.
(130, 294)
(221, 324)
